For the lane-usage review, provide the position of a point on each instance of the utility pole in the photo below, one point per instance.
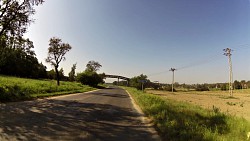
(172, 69)
(230, 83)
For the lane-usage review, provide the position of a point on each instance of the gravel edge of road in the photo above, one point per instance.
(145, 120)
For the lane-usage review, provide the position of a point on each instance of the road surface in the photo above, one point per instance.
(103, 115)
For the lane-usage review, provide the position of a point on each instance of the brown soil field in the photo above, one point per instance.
(238, 105)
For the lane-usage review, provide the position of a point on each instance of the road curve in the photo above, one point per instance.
(103, 115)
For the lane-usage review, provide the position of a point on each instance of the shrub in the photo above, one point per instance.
(202, 87)
(89, 78)
(224, 87)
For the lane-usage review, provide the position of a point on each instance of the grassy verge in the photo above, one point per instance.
(180, 121)
(15, 89)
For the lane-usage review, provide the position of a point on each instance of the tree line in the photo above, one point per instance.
(141, 82)
(17, 57)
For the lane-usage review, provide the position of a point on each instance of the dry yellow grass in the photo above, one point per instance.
(237, 105)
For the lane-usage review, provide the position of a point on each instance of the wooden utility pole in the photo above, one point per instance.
(230, 83)
(172, 69)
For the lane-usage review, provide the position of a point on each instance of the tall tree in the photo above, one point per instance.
(72, 75)
(16, 55)
(93, 66)
(56, 54)
(15, 16)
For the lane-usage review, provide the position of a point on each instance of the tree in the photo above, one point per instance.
(42, 73)
(16, 55)
(72, 76)
(56, 54)
(202, 87)
(138, 80)
(61, 74)
(237, 84)
(243, 84)
(93, 66)
(248, 84)
(15, 16)
(90, 78)
(51, 74)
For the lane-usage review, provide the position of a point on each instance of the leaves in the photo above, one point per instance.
(93, 66)
(15, 16)
(57, 51)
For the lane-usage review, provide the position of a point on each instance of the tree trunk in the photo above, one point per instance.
(57, 76)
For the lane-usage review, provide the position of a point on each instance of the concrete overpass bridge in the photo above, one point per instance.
(118, 78)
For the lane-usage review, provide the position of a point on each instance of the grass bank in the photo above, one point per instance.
(15, 89)
(180, 121)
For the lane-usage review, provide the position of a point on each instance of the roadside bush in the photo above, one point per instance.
(89, 78)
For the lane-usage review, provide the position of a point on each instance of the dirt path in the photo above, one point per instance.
(105, 115)
(239, 105)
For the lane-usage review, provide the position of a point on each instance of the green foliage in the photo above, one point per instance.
(136, 82)
(14, 89)
(72, 76)
(224, 87)
(93, 66)
(16, 55)
(15, 16)
(181, 121)
(237, 85)
(89, 78)
(202, 87)
(56, 54)
(17, 62)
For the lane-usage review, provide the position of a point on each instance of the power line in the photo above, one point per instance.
(204, 61)
(201, 62)
(241, 47)
(209, 59)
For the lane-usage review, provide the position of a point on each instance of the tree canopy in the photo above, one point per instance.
(89, 78)
(138, 80)
(16, 55)
(56, 54)
(93, 66)
(15, 16)
(72, 73)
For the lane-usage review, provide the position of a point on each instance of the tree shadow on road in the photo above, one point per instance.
(114, 95)
(69, 120)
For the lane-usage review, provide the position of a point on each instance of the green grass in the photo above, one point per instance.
(180, 121)
(15, 89)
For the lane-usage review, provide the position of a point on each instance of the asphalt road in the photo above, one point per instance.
(103, 115)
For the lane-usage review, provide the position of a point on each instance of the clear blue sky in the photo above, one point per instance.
(131, 37)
